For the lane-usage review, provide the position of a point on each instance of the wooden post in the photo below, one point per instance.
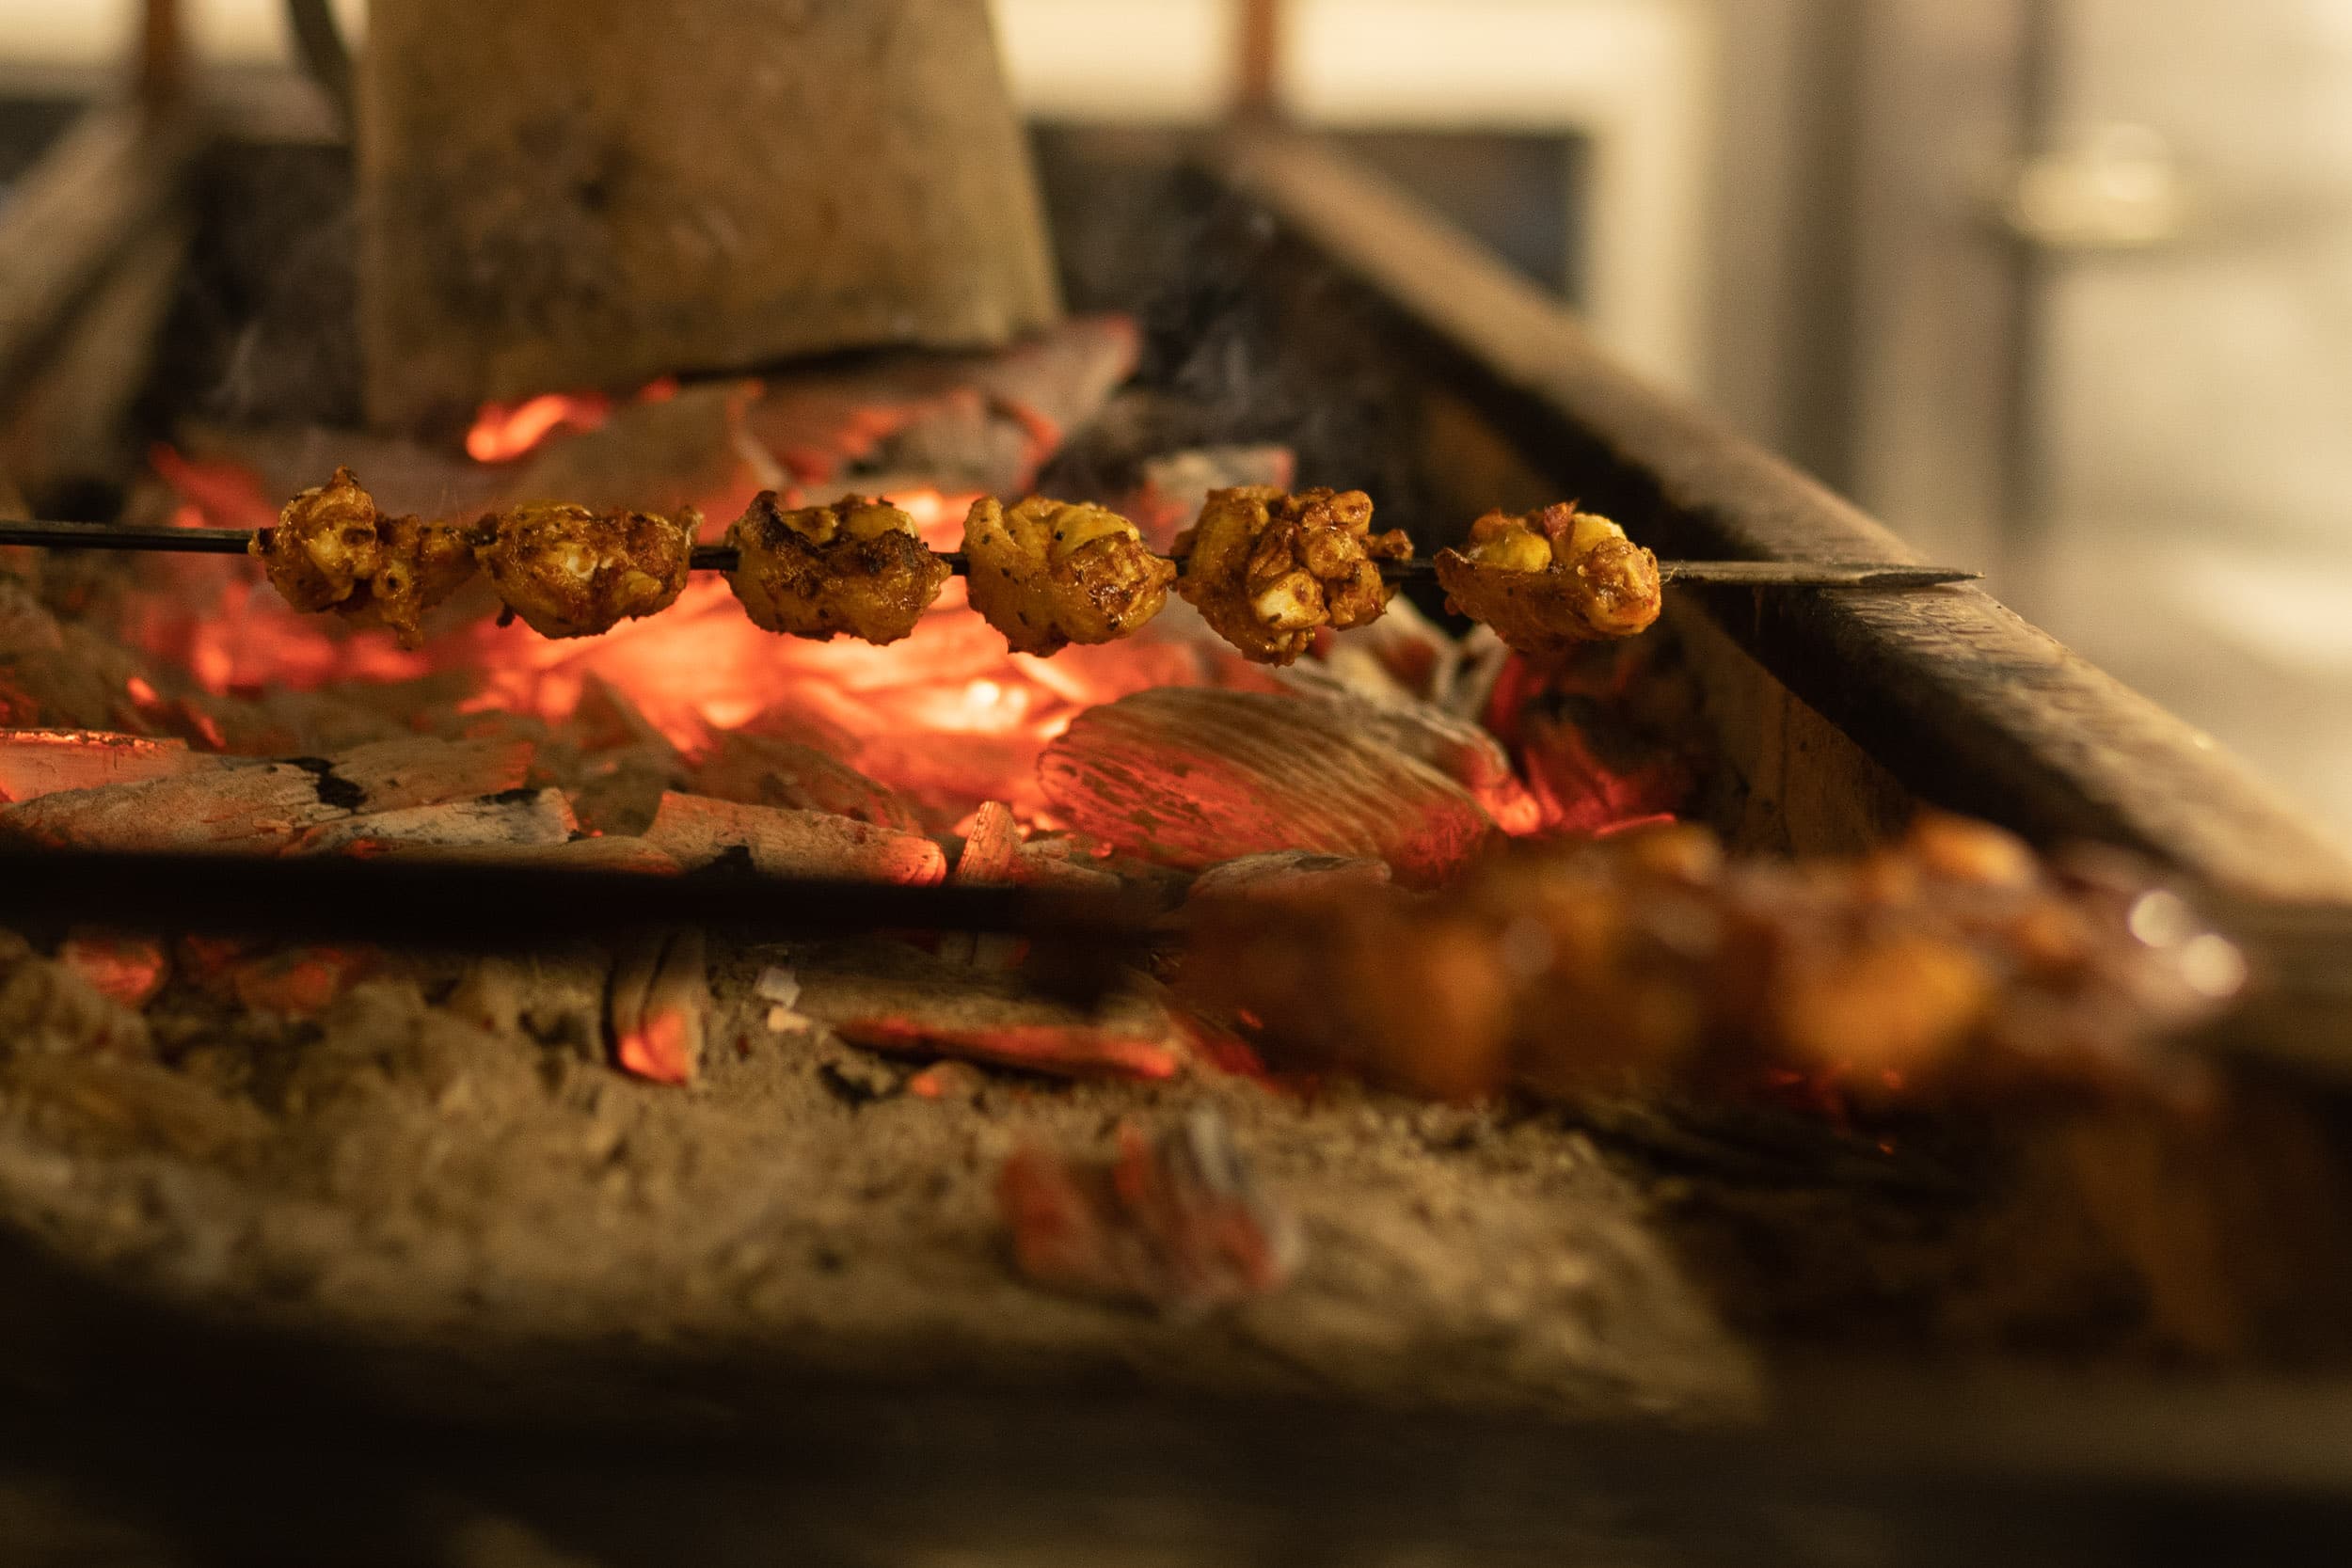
(563, 194)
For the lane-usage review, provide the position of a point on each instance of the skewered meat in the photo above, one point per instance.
(1048, 573)
(1954, 962)
(1552, 580)
(570, 572)
(1265, 569)
(332, 549)
(855, 566)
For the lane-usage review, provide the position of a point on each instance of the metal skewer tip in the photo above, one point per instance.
(1865, 575)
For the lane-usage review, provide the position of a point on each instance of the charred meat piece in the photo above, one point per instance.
(1265, 569)
(332, 549)
(1048, 573)
(1552, 580)
(855, 566)
(571, 572)
(1955, 964)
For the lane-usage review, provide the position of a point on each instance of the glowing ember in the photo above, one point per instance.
(659, 1049)
(503, 432)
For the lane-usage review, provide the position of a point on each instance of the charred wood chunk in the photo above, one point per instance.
(1179, 1222)
(1190, 777)
(695, 832)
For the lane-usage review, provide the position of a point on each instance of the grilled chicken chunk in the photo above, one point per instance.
(332, 549)
(570, 572)
(1552, 580)
(855, 566)
(1265, 569)
(1048, 573)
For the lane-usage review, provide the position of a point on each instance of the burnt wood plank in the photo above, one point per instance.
(1962, 700)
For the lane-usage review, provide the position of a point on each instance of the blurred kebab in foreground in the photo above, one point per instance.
(1954, 962)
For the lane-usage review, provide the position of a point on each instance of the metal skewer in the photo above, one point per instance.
(1866, 575)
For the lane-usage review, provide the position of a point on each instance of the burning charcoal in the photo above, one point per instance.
(658, 1004)
(957, 1081)
(517, 819)
(1463, 751)
(1178, 1223)
(128, 968)
(618, 792)
(992, 855)
(991, 848)
(1267, 569)
(297, 981)
(34, 763)
(1191, 777)
(1062, 1050)
(668, 454)
(765, 771)
(1046, 863)
(267, 802)
(1403, 658)
(694, 831)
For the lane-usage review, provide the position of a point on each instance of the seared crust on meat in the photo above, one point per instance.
(1265, 569)
(570, 572)
(1552, 580)
(1048, 573)
(855, 566)
(332, 549)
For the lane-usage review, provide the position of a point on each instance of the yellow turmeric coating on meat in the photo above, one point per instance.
(1550, 581)
(1265, 569)
(570, 572)
(333, 549)
(856, 566)
(1048, 573)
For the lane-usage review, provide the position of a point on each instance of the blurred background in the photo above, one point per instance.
(2060, 289)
